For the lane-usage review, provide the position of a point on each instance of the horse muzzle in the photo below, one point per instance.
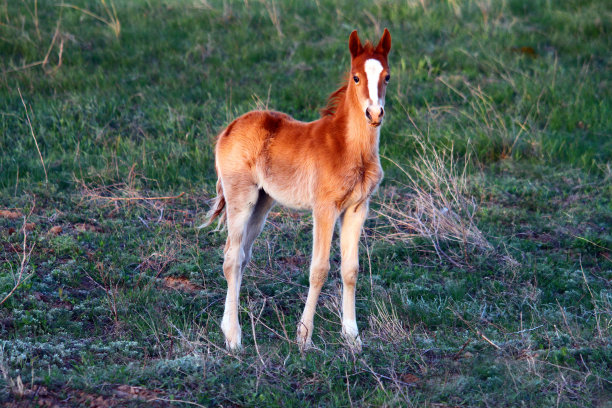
(374, 115)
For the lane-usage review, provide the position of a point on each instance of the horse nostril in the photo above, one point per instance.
(382, 112)
(368, 114)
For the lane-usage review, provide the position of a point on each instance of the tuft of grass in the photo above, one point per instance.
(437, 206)
(111, 19)
(385, 325)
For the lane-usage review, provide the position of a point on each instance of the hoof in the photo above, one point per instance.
(234, 346)
(354, 344)
(352, 338)
(304, 344)
(303, 337)
(233, 336)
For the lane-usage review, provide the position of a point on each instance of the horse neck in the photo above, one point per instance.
(361, 138)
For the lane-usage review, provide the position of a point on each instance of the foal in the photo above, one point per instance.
(330, 166)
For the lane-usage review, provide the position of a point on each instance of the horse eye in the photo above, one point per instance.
(387, 78)
(356, 79)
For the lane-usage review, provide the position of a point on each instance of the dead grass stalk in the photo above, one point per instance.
(33, 136)
(385, 323)
(110, 288)
(438, 207)
(21, 276)
(122, 193)
(46, 60)
(274, 15)
(111, 19)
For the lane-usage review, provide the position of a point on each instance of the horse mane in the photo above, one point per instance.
(336, 97)
(334, 100)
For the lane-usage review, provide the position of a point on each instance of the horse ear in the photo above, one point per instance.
(355, 44)
(384, 45)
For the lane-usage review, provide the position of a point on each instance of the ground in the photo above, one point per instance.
(486, 262)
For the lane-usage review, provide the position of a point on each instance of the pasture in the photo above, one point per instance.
(485, 263)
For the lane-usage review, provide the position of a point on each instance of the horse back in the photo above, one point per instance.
(297, 163)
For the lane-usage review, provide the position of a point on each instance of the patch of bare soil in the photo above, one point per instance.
(83, 227)
(11, 215)
(180, 283)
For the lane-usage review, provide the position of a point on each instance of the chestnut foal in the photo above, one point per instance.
(330, 166)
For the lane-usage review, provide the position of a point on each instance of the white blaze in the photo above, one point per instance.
(373, 68)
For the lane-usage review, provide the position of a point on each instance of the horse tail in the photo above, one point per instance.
(217, 209)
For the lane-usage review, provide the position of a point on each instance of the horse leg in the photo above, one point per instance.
(255, 224)
(240, 196)
(323, 229)
(351, 223)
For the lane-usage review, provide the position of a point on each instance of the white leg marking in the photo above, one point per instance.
(349, 328)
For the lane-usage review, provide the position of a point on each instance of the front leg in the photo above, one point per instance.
(323, 229)
(352, 222)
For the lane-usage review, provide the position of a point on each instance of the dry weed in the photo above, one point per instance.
(15, 385)
(21, 276)
(386, 325)
(159, 260)
(110, 288)
(123, 193)
(33, 136)
(438, 207)
(602, 309)
(111, 19)
(58, 36)
(274, 15)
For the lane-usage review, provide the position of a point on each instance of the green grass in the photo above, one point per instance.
(521, 88)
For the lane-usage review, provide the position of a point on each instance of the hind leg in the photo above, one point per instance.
(255, 224)
(241, 196)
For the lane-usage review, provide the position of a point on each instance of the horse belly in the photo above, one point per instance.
(286, 185)
(292, 196)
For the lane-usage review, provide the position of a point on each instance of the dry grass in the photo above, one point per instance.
(15, 385)
(159, 259)
(110, 287)
(111, 19)
(602, 310)
(495, 124)
(274, 16)
(57, 41)
(122, 193)
(33, 136)
(22, 275)
(385, 323)
(438, 207)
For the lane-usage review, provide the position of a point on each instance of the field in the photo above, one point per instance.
(485, 264)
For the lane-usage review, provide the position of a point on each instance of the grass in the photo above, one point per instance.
(498, 110)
